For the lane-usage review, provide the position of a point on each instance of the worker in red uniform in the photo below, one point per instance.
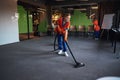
(96, 26)
(96, 29)
(63, 24)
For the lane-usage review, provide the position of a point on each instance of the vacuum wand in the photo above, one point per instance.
(55, 42)
(77, 63)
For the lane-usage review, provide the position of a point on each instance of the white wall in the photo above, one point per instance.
(8, 22)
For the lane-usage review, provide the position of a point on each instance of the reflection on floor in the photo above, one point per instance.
(26, 36)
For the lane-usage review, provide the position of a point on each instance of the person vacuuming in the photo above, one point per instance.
(62, 36)
(63, 24)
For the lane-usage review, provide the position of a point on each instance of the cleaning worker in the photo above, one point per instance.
(96, 29)
(63, 24)
(96, 26)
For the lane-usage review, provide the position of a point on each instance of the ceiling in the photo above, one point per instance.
(64, 4)
(87, 6)
(73, 2)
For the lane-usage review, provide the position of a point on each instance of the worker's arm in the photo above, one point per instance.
(66, 31)
(66, 35)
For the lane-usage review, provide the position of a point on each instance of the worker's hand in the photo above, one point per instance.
(65, 39)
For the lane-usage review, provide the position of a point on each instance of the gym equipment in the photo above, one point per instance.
(77, 64)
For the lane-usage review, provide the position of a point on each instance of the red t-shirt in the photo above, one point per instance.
(62, 26)
(96, 26)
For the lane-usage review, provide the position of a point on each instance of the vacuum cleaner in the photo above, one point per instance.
(77, 64)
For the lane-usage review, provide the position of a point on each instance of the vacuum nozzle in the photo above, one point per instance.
(79, 65)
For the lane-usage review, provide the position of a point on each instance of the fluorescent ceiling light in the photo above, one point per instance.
(96, 7)
(92, 15)
(41, 9)
(70, 8)
(59, 0)
(82, 9)
(41, 12)
(82, 0)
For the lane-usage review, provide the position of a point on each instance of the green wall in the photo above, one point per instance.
(43, 25)
(79, 18)
(22, 21)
